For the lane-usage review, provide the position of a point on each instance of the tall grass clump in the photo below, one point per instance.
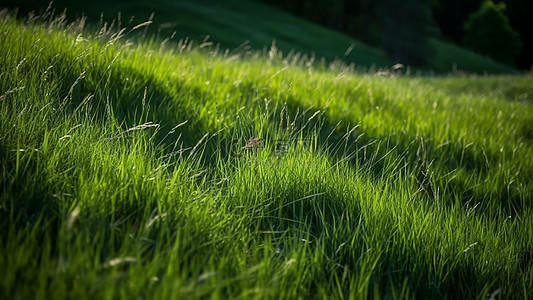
(136, 167)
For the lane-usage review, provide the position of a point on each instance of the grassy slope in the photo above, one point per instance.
(451, 57)
(103, 196)
(234, 22)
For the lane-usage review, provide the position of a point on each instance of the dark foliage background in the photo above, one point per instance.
(401, 28)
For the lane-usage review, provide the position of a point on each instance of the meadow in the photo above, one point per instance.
(140, 167)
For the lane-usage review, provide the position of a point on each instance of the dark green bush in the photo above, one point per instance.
(487, 31)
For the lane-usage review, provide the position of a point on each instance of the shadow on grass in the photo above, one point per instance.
(432, 168)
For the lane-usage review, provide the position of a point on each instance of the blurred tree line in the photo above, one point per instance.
(402, 27)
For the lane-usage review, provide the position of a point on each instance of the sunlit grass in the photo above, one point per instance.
(137, 167)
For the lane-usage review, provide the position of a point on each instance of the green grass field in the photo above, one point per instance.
(145, 168)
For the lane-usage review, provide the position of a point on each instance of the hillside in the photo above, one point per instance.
(250, 25)
(131, 168)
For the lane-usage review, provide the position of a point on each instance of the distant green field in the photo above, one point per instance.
(137, 168)
(246, 25)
